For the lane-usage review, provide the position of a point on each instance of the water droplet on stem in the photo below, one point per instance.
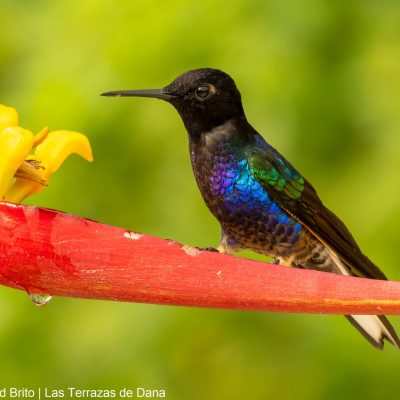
(40, 299)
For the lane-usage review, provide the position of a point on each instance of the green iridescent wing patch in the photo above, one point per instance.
(277, 174)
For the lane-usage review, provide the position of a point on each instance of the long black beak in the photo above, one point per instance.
(155, 93)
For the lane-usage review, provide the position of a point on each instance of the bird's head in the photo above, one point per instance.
(205, 98)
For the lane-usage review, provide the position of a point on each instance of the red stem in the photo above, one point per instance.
(46, 251)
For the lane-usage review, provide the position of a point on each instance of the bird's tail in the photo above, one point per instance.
(375, 328)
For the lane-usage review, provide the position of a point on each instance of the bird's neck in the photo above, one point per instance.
(205, 120)
(224, 144)
(228, 137)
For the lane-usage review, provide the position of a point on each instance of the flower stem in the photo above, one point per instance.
(50, 252)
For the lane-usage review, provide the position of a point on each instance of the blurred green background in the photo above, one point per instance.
(319, 79)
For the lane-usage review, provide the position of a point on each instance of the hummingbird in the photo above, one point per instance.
(261, 201)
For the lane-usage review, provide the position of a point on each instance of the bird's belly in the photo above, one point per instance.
(248, 215)
(266, 230)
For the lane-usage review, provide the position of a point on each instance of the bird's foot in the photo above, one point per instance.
(213, 249)
(298, 264)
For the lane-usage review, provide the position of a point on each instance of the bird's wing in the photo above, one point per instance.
(299, 199)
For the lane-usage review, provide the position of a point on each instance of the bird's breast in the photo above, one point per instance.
(244, 208)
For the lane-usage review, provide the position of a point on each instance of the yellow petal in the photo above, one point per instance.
(26, 183)
(21, 189)
(40, 136)
(49, 155)
(58, 145)
(15, 145)
(32, 170)
(8, 117)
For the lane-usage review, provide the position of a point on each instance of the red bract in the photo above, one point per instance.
(47, 251)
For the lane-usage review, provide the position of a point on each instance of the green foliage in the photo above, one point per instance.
(319, 79)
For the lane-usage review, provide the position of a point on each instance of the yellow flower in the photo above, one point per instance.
(23, 173)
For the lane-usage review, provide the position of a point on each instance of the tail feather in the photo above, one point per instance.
(375, 328)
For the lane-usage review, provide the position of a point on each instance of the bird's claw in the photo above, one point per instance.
(213, 249)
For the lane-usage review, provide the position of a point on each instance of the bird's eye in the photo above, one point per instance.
(203, 91)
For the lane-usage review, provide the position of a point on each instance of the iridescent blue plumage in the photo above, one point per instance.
(250, 218)
(242, 196)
